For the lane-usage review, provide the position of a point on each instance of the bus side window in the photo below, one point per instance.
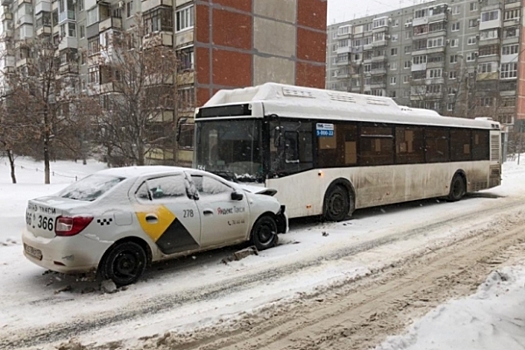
(459, 144)
(291, 141)
(409, 145)
(436, 144)
(480, 145)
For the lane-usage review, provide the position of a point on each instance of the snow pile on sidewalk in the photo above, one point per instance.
(493, 318)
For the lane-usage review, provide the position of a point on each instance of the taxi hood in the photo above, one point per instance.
(258, 189)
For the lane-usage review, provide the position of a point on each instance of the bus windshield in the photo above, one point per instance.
(231, 148)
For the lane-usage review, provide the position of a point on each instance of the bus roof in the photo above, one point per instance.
(311, 103)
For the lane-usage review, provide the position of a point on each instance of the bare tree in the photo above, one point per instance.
(44, 96)
(137, 93)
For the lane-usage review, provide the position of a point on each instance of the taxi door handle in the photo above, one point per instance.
(152, 219)
(207, 212)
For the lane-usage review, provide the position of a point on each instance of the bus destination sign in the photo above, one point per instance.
(324, 130)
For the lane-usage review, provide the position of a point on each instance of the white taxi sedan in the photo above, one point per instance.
(119, 220)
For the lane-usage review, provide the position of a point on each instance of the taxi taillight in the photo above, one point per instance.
(71, 225)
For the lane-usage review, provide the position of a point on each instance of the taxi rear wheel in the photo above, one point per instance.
(124, 263)
(264, 233)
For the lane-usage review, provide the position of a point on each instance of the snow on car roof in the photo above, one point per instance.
(136, 171)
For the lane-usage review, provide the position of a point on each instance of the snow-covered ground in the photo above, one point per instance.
(30, 299)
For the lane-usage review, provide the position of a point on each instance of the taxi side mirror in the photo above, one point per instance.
(236, 196)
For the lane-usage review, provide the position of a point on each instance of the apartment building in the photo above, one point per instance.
(458, 57)
(221, 44)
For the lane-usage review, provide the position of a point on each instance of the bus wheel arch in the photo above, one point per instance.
(339, 200)
(458, 186)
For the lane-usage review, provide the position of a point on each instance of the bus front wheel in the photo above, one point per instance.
(337, 204)
(457, 188)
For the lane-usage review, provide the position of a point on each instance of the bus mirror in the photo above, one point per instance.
(179, 129)
(277, 137)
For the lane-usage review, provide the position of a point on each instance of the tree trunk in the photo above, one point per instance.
(12, 165)
(140, 153)
(47, 179)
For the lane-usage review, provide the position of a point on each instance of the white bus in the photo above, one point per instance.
(329, 153)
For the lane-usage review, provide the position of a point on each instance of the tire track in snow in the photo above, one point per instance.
(29, 337)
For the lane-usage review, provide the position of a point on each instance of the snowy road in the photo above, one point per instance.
(340, 285)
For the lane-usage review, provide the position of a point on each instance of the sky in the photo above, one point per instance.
(345, 10)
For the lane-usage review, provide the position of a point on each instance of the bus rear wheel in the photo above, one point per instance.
(457, 188)
(337, 204)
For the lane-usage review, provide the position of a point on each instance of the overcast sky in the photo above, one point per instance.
(344, 10)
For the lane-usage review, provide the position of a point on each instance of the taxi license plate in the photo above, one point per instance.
(35, 253)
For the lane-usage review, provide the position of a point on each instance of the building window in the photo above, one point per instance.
(92, 16)
(421, 13)
(456, 10)
(408, 34)
(511, 32)
(160, 19)
(435, 73)
(508, 70)
(393, 52)
(471, 40)
(485, 101)
(419, 59)
(490, 16)
(186, 59)
(407, 64)
(93, 46)
(80, 5)
(472, 23)
(454, 42)
(486, 68)
(452, 74)
(489, 50)
(455, 27)
(129, 9)
(395, 37)
(473, 6)
(436, 42)
(471, 56)
(393, 80)
(185, 18)
(406, 79)
(512, 14)
(433, 89)
(408, 49)
(82, 31)
(450, 107)
(510, 49)
(488, 34)
(453, 58)
(185, 134)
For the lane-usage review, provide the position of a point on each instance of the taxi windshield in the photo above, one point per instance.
(90, 188)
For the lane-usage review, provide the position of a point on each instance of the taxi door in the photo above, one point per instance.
(167, 215)
(223, 219)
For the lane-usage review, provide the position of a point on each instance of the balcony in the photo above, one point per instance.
(71, 68)
(43, 31)
(21, 2)
(7, 16)
(109, 23)
(488, 76)
(418, 67)
(68, 42)
(344, 49)
(381, 58)
(107, 88)
(439, 49)
(8, 33)
(66, 15)
(159, 38)
(378, 71)
(150, 4)
(23, 62)
(7, 2)
(378, 85)
(379, 43)
(43, 6)
(419, 21)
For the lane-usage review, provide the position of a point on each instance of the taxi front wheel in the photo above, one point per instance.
(264, 233)
(124, 263)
